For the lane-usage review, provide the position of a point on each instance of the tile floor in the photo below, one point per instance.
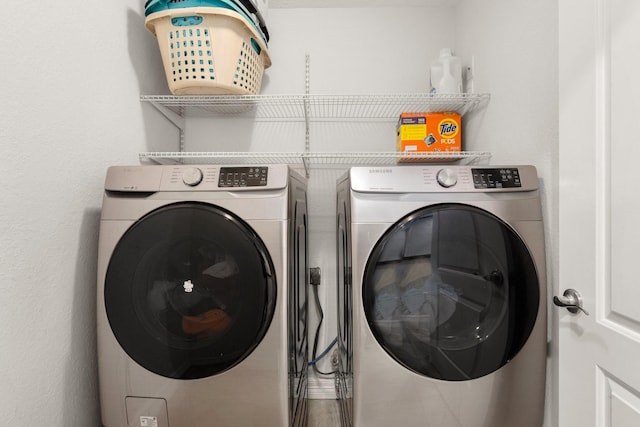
(323, 413)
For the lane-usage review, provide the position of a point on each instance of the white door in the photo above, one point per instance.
(599, 217)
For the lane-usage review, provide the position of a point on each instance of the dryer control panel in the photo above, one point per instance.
(443, 178)
(496, 178)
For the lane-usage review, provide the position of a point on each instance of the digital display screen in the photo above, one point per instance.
(496, 178)
(243, 176)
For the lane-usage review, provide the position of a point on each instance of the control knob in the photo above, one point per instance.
(192, 177)
(447, 178)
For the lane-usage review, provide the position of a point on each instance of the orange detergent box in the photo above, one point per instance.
(429, 132)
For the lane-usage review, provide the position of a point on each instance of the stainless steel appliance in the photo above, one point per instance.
(202, 296)
(441, 297)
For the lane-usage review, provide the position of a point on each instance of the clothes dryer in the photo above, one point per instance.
(202, 297)
(441, 297)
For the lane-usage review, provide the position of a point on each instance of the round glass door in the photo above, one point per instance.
(189, 291)
(451, 292)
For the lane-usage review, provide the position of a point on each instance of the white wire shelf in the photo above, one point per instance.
(309, 107)
(316, 159)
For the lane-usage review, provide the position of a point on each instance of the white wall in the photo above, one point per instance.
(70, 85)
(70, 81)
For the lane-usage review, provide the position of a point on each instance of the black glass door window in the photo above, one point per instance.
(451, 292)
(189, 291)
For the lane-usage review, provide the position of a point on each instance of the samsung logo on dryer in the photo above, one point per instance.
(380, 171)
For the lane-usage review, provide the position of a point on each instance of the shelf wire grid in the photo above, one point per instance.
(316, 159)
(338, 107)
(306, 107)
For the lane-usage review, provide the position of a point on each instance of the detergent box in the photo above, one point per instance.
(429, 132)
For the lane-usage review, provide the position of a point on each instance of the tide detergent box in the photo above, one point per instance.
(429, 132)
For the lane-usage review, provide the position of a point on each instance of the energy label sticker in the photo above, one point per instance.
(148, 421)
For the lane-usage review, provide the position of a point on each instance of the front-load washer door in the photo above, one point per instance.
(189, 291)
(451, 292)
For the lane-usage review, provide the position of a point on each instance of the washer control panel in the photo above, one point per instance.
(496, 178)
(196, 178)
(243, 176)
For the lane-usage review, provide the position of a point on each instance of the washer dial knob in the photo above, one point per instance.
(192, 177)
(447, 178)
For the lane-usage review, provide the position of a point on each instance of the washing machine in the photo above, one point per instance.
(202, 296)
(441, 296)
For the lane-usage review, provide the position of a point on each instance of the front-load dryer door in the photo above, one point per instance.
(189, 291)
(451, 292)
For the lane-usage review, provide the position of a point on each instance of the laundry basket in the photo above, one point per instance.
(247, 8)
(209, 51)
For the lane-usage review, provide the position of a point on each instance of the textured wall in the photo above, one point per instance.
(70, 81)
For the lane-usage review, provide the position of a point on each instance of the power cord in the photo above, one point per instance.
(314, 279)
